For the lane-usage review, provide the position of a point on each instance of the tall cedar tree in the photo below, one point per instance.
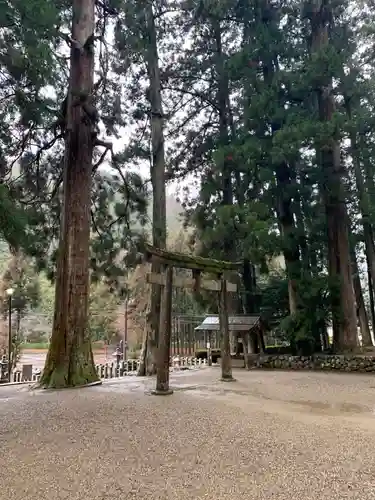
(137, 38)
(70, 359)
(332, 188)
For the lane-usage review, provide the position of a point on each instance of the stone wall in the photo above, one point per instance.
(357, 363)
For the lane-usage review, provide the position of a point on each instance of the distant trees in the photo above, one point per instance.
(261, 112)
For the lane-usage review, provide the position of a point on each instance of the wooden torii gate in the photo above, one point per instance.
(169, 261)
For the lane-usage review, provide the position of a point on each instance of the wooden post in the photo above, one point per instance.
(226, 361)
(209, 350)
(178, 333)
(164, 350)
(191, 338)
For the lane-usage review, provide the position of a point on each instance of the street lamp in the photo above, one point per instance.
(9, 292)
(125, 328)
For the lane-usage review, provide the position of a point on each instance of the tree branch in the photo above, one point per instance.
(107, 9)
(108, 147)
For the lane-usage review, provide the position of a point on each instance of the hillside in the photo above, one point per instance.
(174, 217)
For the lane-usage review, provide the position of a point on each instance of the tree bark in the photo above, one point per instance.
(288, 233)
(251, 303)
(300, 225)
(226, 170)
(339, 262)
(361, 308)
(158, 180)
(70, 360)
(222, 100)
(226, 361)
(147, 364)
(164, 349)
(371, 294)
(368, 233)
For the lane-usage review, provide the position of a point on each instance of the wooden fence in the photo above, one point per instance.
(122, 369)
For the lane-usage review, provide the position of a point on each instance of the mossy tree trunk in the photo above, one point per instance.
(70, 360)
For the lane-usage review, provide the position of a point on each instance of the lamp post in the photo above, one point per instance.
(9, 292)
(125, 329)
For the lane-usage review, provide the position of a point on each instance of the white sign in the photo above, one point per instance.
(208, 345)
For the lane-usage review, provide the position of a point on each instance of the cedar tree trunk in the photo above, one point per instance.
(70, 360)
(159, 224)
(332, 188)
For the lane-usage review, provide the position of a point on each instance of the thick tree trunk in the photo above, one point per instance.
(369, 249)
(360, 303)
(70, 360)
(226, 361)
(288, 233)
(251, 303)
(368, 233)
(164, 348)
(339, 262)
(300, 227)
(371, 294)
(369, 236)
(325, 340)
(147, 364)
(361, 308)
(222, 99)
(159, 219)
(369, 242)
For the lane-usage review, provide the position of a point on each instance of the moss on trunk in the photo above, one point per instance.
(69, 370)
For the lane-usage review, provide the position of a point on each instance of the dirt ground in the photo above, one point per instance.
(276, 435)
(37, 357)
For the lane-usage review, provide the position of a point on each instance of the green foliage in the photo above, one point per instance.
(305, 327)
(26, 290)
(104, 312)
(274, 298)
(13, 220)
(47, 297)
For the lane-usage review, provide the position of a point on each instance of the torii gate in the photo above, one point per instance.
(198, 265)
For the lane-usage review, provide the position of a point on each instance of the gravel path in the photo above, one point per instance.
(270, 435)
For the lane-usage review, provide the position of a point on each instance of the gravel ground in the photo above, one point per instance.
(269, 435)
